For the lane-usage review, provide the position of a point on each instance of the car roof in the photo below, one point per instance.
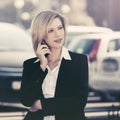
(13, 34)
(88, 29)
(97, 35)
(73, 31)
(12, 30)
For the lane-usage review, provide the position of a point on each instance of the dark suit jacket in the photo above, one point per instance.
(71, 88)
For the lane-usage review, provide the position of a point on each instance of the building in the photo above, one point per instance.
(105, 12)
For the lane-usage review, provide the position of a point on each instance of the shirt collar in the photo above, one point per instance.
(65, 54)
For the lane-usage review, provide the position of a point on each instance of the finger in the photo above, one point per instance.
(46, 50)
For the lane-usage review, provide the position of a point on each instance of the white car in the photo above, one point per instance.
(106, 77)
(15, 48)
(97, 47)
(73, 31)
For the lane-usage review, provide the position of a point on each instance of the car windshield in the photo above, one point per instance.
(69, 37)
(83, 46)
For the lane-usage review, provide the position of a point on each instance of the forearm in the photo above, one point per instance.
(58, 106)
(31, 84)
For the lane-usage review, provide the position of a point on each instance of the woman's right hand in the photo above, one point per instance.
(40, 52)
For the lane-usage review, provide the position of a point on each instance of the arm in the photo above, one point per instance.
(33, 76)
(32, 79)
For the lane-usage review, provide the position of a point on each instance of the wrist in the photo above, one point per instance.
(43, 67)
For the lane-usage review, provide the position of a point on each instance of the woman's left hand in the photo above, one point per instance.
(36, 106)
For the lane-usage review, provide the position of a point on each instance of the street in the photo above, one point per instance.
(95, 110)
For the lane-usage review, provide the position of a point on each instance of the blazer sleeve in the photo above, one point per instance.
(32, 79)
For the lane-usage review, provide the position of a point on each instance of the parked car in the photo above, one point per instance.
(97, 47)
(15, 47)
(106, 77)
(79, 30)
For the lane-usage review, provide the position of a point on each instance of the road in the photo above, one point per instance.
(95, 110)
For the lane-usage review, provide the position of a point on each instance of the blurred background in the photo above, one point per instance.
(93, 30)
(79, 12)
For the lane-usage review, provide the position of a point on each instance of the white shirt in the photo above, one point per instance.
(49, 83)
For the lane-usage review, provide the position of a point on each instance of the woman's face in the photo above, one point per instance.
(55, 34)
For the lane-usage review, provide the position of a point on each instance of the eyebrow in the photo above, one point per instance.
(57, 26)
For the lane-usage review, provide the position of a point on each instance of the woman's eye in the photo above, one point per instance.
(61, 27)
(49, 31)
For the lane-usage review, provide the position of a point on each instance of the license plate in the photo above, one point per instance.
(110, 65)
(16, 85)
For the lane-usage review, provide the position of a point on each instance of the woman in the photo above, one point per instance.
(55, 83)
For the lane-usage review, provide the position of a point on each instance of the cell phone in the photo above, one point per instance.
(44, 43)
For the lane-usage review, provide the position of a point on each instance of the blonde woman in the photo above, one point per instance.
(55, 82)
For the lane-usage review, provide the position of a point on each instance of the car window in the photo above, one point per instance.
(114, 45)
(69, 37)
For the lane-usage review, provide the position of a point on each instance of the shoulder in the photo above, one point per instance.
(78, 58)
(77, 55)
(30, 61)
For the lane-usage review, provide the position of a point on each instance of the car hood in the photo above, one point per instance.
(11, 63)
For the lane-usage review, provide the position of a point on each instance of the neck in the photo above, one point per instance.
(54, 58)
(55, 55)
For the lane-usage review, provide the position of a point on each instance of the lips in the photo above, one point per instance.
(58, 40)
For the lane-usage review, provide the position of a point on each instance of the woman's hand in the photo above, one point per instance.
(40, 52)
(36, 106)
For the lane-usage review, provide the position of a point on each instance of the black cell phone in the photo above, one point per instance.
(44, 43)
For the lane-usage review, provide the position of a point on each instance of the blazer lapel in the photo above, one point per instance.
(63, 74)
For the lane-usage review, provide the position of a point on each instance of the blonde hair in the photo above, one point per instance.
(39, 25)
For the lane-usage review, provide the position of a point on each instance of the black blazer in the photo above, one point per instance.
(71, 88)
